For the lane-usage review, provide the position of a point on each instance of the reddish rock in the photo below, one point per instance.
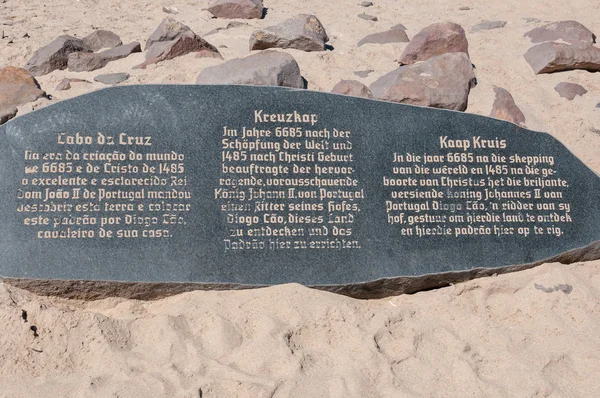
(569, 90)
(390, 36)
(439, 38)
(7, 113)
(185, 43)
(353, 88)
(18, 87)
(555, 57)
(169, 29)
(505, 108)
(302, 32)
(86, 62)
(440, 82)
(568, 31)
(55, 55)
(266, 68)
(100, 39)
(237, 9)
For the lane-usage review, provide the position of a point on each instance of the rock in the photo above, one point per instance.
(112, 78)
(55, 55)
(170, 10)
(390, 36)
(398, 27)
(169, 29)
(230, 25)
(237, 9)
(65, 84)
(86, 62)
(571, 32)
(488, 25)
(443, 81)
(353, 88)
(439, 38)
(100, 39)
(302, 32)
(505, 108)
(363, 73)
(464, 8)
(555, 57)
(530, 20)
(368, 17)
(185, 43)
(366, 4)
(266, 68)
(569, 90)
(7, 113)
(17, 87)
(598, 105)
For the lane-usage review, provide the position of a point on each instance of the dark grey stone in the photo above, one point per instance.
(187, 126)
(368, 17)
(363, 73)
(366, 4)
(488, 25)
(112, 78)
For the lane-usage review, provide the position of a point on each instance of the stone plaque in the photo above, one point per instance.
(261, 185)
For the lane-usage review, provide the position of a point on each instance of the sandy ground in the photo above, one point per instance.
(495, 337)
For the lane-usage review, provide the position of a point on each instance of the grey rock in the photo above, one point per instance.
(436, 39)
(363, 73)
(237, 9)
(598, 105)
(17, 87)
(169, 29)
(398, 27)
(443, 81)
(55, 55)
(488, 25)
(266, 68)
(353, 88)
(302, 32)
(185, 43)
(552, 57)
(368, 17)
(571, 32)
(505, 108)
(366, 4)
(112, 78)
(65, 84)
(100, 39)
(464, 8)
(86, 62)
(569, 90)
(170, 10)
(390, 36)
(530, 20)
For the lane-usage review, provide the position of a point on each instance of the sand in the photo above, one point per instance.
(495, 337)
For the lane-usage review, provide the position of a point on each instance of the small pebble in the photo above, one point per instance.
(367, 17)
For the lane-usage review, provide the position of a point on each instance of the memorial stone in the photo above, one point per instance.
(244, 185)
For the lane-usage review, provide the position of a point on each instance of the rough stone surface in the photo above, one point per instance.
(353, 88)
(368, 17)
(439, 38)
(55, 55)
(267, 68)
(17, 87)
(555, 57)
(185, 43)
(569, 90)
(488, 25)
(390, 36)
(505, 108)
(100, 39)
(571, 32)
(85, 62)
(112, 78)
(302, 32)
(440, 82)
(237, 9)
(169, 29)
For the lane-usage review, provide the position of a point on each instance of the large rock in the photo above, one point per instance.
(100, 39)
(569, 90)
(169, 29)
(555, 57)
(353, 88)
(185, 43)
(55, 55)
(236, 9)
(85, 62)
(505, 108)
(568, 31)
(302, 32)
(440, 82)
(266, 68)
(18, 87)
(389, 36)
(439, 38)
